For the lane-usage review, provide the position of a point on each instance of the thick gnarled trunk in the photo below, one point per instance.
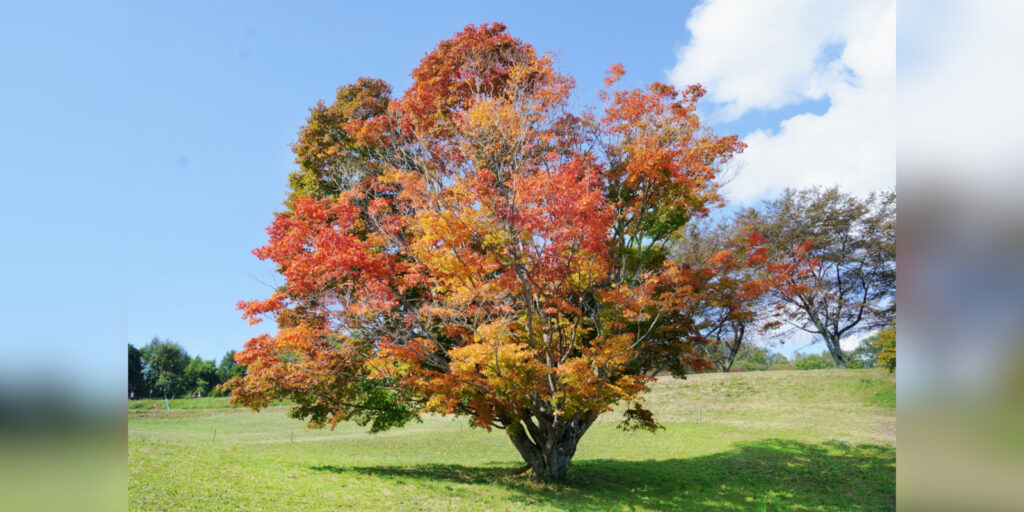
(548, 447)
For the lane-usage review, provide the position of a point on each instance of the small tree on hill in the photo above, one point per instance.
(754, 358)
(865, 355)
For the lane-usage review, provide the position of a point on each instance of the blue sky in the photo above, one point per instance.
(144, 146)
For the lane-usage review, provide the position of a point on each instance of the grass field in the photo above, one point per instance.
(219, 402)
(798, 440)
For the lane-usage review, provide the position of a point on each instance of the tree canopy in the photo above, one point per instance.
(475, 247)
(852, 241)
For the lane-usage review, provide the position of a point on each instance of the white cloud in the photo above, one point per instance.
(769, 54)
(850, 343)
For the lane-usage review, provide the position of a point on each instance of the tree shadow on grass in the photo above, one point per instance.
(765, 475)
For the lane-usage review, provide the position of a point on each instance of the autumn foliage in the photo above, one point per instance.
(474, 247)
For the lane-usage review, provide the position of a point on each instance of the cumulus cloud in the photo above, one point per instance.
(771, 54)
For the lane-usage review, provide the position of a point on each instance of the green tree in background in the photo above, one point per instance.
(136, 381)
(754, 358)
(165, 363)
(813, 361)
(229, 368)
(865, 355)
(164, 368)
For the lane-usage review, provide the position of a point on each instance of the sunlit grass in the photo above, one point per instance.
(814, 440)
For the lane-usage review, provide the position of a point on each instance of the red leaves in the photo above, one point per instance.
(615, 72)
(720, 257)
(482, 249)
(478, 59)
(253, 309)
(316, 244)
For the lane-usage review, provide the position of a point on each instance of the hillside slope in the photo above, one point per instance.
(799, 440)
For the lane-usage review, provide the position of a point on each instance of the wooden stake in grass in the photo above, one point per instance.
(214, 435)
(292, 436)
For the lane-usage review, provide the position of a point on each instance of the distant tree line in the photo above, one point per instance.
(869, 354)
(163, 368)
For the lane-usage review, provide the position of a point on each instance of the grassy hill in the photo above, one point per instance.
(798, 440)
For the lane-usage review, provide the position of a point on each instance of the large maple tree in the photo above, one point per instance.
(476, 247)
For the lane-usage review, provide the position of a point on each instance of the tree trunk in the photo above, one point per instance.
(548, 447)
(835, 349)
(734, 349)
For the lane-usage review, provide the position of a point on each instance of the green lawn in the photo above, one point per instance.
(219, 402)
(799, 440)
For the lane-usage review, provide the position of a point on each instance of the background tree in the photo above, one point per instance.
(165, 363)
(865, 355)
(886, 345)
(228, 368)
(136, 382)
(728, 323)
(813, 361)
(853, 241)
(475, 248)
(754, 358)
(164, 368)
(200, 377)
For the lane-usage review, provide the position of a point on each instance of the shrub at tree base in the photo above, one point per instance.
(474, 248)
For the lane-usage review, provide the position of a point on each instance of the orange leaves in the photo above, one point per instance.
(494, 376)
(477, 60)
(666, 160)
(288, 362)
(497, 366)
(564, 209)
(615, 72)
(804, 248)
(483, 249)
(253, 309)
(720, 257)
(759, 256)
(316, 244)
(586, 387)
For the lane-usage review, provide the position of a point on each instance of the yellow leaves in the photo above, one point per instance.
(598, 377)
(389, 363)
(497, 240)
(586, 270)
(489, 223)
(503, 372)
(613, 351)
